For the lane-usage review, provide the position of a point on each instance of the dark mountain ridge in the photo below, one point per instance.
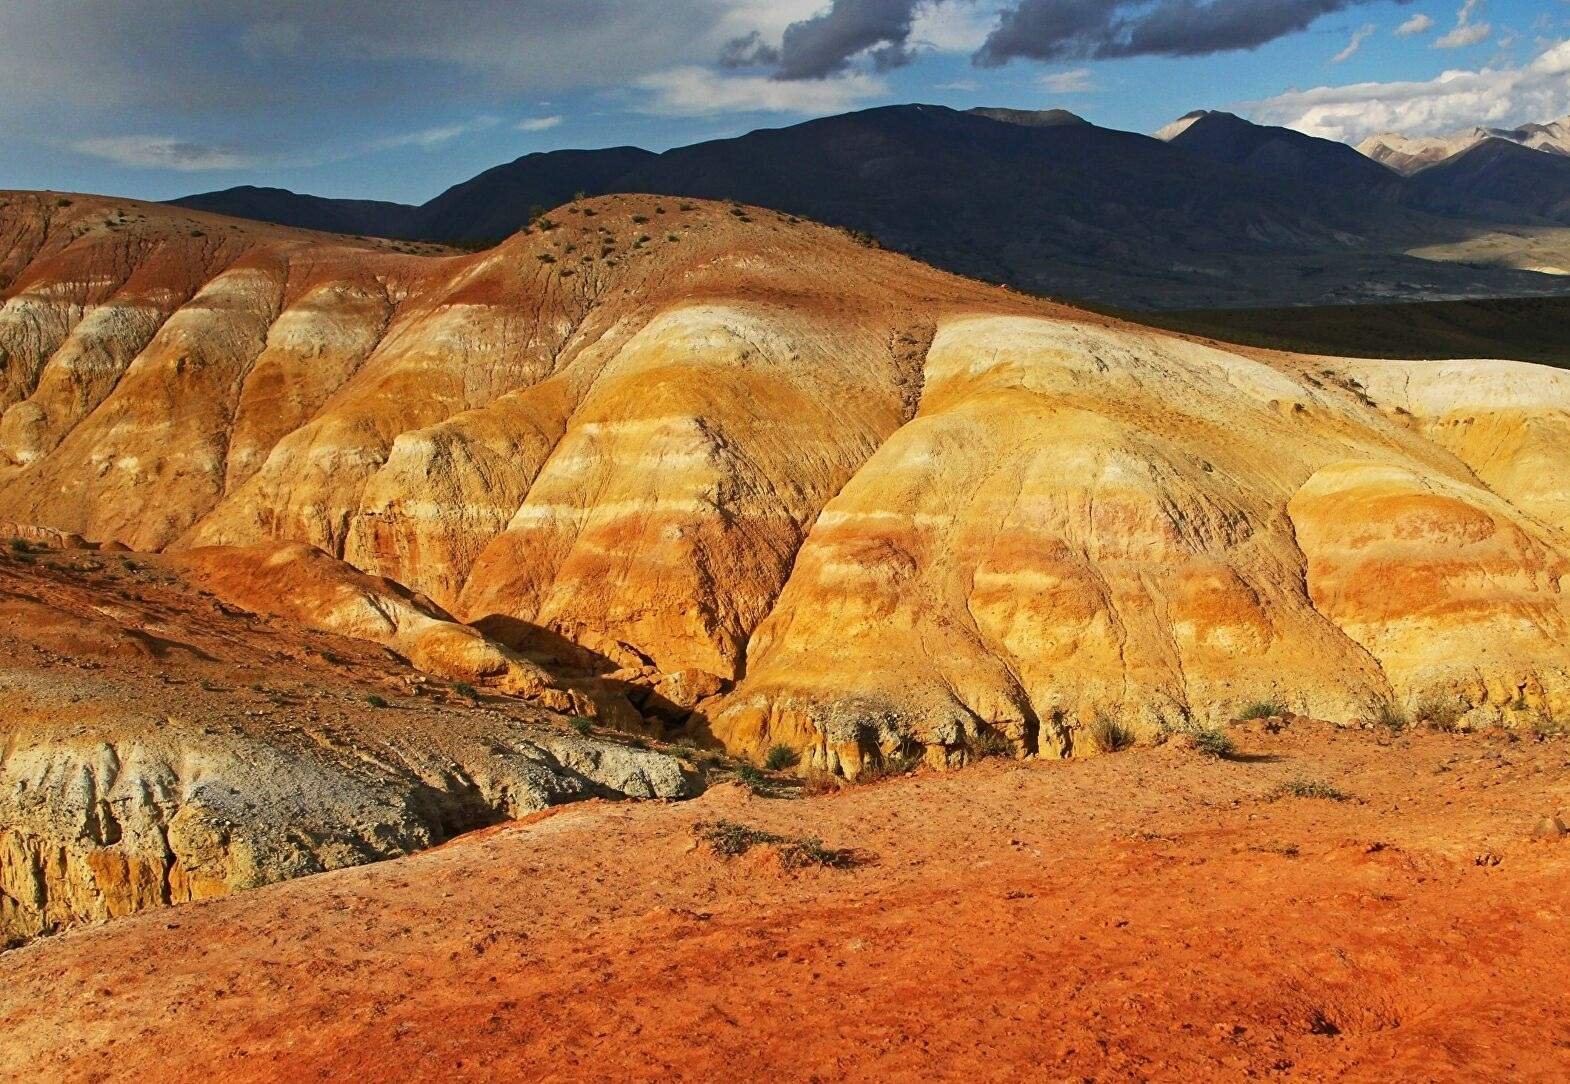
(1225, 213)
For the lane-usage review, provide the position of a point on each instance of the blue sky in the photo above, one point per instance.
(398, 100)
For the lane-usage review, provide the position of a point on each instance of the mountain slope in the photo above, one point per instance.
(1497, 179)
(809, 492)
(500, 201)
(1282, 153)
(278, 205)
(1044, 202)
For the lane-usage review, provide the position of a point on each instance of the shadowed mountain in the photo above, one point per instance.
(1281, 153)
(1497, 179)
(376, 218)
(1225, 214)
(502, 200)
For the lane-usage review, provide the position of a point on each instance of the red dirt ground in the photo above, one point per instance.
(1151, 915)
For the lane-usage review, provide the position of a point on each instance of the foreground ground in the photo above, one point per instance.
(1152, 914)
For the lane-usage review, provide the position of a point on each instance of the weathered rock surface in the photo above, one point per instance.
(859, 504)
(158, 746)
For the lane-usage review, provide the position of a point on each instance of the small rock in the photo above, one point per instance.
(1552, 828)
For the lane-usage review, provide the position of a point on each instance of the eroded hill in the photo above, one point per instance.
(817, 493)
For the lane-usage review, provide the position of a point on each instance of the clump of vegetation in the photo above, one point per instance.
(731, 840)
(671, 237)
(581, 725)
(1438, 712)
(749, 776)
(989, 743)
(463, 688)
(1387, 715)
(1309, 788)
(1264, 709)
(902, 761)
(1110, 735)
(1214, 742)
(19, 545)
(640, 219)
(546, 257)
(780, 757)
(863, 238)
(376, 701)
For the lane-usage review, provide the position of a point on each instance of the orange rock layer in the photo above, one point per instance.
(821, 494)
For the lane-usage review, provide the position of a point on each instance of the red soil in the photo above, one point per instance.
(1147, 915)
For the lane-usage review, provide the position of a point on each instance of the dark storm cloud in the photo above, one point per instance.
(821, 46)
(1103, 29)
(825, 44)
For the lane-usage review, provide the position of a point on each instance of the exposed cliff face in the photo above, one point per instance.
(825, 495)
(159, 746)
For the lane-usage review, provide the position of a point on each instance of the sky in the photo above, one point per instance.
(398, 99)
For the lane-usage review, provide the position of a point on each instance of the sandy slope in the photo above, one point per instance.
(1148, 915)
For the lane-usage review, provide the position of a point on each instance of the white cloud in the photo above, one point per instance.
(163, 152)
(959, 84)
(1417, 24)
(694, 92)
(1074, 81)
(1466, 32)
(434, 137)
(1359, 36)
(953, 26)
(538, 124)
(1459, 98)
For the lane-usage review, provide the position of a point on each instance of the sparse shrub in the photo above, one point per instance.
(749, 776)
(671, 237)
(989, 743)
(1214, 742)
(19, 545)
(546, 257)
(902, 761)
(780, 757)
(640, 219)
(1438, 712)
(1309, 788)
(1388, 715)
(731, 840)
(1110, 735)
(463, 688)
(1263, 709)
(581, 725)
(376, 701)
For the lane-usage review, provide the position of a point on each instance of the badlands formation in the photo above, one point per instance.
(707, 470)
(320, 542)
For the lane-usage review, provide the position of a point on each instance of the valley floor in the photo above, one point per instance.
(1152, 914)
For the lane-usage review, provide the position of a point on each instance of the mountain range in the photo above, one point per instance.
(1411, 154)
(1214, 211)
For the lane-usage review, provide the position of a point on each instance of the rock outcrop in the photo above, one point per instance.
(860, 506)
(160, 746)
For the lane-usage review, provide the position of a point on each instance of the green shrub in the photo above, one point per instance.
(463, 688)
(750, 776)
(1110, 735)
(1214, 742)
(581, 725)
(376, 701)
(1264, 709)
(780, 757)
